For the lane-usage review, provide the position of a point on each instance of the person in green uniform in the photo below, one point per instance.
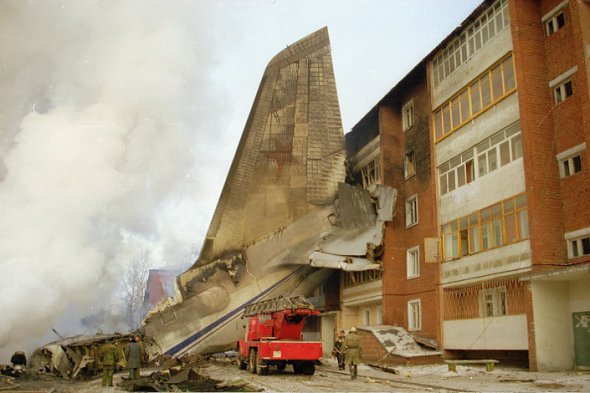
(108, 359)
(339, 349)
(352, 348)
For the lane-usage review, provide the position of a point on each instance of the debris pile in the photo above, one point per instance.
(184, 375)
(75, 357)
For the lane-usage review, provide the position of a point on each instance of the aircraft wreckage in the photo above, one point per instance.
(285, 218)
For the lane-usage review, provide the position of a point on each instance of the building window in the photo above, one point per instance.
(413, 262)
(490, 87)
(471, 40)
(578, 243)
(555, 23)
(409, 164)
(371, 173)
(366, 316)
(570, 161)
(563, 91)
(412, 211)
(490, 154)
(408, 115)
(493, 302)
(495, 226)
(414, 315)
(571, 165)
(579, 247)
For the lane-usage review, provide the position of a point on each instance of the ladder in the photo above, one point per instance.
(277, 304)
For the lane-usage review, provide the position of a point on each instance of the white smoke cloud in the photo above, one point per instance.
(100, 127)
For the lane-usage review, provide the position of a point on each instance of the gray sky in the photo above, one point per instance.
(119, 120)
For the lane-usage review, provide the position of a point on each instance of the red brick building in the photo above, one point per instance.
(486, 142)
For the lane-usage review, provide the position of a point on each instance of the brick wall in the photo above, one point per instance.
(556, 205)
(538, 139)
(397, 288)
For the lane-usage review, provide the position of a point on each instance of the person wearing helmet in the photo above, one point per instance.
(352, 348)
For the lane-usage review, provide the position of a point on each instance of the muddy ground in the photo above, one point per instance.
(328, 378)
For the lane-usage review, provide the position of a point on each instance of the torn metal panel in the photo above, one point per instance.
(284, 213)
(290, 158)
(351, 264)
(75, 356)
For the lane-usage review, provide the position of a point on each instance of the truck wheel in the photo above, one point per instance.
(297, 368)
(261, 366)
(281, 366)
(252, 361)
(308, 368)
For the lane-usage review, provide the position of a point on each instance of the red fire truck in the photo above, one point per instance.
(274, 337)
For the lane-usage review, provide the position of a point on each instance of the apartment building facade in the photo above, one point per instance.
(486, 141)
(411, 294)
(510, 135)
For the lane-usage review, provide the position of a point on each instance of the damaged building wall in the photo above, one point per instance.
(410, 291)
(362, 292)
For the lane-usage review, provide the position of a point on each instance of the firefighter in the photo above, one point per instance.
(108, 359)
(339, 349)
(133, 355)
(352, 348)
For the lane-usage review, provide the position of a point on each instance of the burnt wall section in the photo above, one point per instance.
(407, 151)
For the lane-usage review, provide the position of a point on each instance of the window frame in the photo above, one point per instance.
(578, 243)
(568, 156)
(489, 224)
(412, 213)
(551, 19)
(474, 162)
(471, 40)
(412, 155)
(414, 308)
(552, 25)
(496, 298)
(561, 92)
(371, 173)
(481, 89)
(413, 262)
(408, 123)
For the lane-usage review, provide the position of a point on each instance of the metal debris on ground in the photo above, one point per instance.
(7, 383)
(384, 367)
(184, 375)
(76, 357)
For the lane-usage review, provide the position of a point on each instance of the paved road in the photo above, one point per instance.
(327, 378)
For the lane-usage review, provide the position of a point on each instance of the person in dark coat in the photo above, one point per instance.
(133, 355)
(339, 349)
(352, 346)
(108, 359)
(19, 359)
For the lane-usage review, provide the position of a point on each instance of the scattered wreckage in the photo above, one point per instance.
(76, 357)
(286, 220)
